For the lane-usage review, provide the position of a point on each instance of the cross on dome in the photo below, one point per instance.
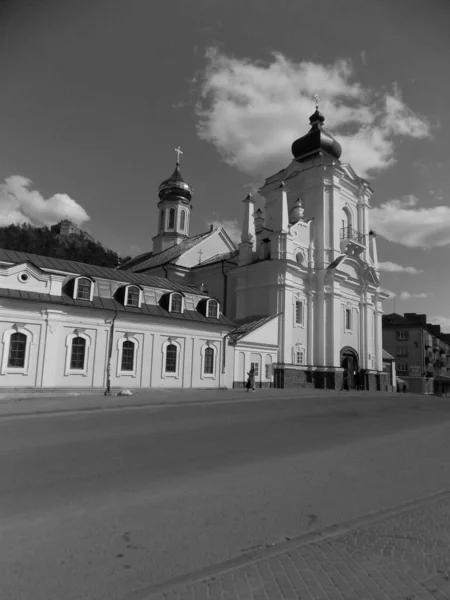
(178, 151)
(317, 99)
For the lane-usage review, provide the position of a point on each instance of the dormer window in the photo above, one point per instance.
(212, 309)
(83, 289)
(132, 296)
(176, 303)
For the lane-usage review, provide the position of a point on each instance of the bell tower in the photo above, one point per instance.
(175, 208)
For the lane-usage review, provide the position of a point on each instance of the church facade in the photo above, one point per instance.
(298, 300)
(308, 259)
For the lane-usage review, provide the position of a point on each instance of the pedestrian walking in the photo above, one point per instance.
(345, 380)
(251, 380)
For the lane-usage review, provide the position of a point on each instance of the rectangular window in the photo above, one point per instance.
(402, 367)
(209, 362)
(403, 335)
(133, 295)
(299, 356)
(84, 289)
(17, 347)
(267, 371)
(402, 351)
(128, 356)
(255, 367)
(299, 312)
(78, 353)
(348, 319)
(171, 359)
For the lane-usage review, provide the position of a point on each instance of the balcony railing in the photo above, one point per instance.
(348, 233)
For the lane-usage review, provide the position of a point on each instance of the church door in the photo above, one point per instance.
(349, 362)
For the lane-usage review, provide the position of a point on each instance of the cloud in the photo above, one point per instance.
(402, 221)
(252, 112)
(20, 204)
(442, 321)
(391, 267)
(408, 295)
(231, 226)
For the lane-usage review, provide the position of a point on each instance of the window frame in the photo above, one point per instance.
(205, 347)
(299, 350)
(170, 374)
(399, 370)
(255, 365)
(348, 311)
(301, 302)
(216, 316)
(69, 340)
(6, 341)
(127, 289)
(171, 224)
(127, 338)
(182, 220)
(162, 220)
(402, 335)
(76, 285)
(172, 294)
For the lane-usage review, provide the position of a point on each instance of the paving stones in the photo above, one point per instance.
(403, 557)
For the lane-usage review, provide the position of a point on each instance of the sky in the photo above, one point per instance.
(96, 94)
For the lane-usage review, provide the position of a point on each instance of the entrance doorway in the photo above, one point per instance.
(349, 362)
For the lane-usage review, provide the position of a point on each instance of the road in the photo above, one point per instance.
(94, 506)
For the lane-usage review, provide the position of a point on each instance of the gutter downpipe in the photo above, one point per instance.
(110, 348)
(225, 288)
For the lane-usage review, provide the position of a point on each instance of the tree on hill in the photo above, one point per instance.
(44, 241)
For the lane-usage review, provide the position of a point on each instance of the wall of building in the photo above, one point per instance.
(50, 332)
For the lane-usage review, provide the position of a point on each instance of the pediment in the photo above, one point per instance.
(29, 278)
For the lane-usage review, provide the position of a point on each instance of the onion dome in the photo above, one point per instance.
(175, 187)
(296, 212)
(316, 140)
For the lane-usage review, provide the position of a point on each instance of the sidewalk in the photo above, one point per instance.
(398, 554)
(39, 402)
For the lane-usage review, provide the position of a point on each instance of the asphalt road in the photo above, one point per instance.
(96, 505)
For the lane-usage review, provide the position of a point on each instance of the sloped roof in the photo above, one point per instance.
(248, 325)
(218, 258)
(100, 302)
(150, 261)
(395, 319)
(387, 356)
(78, 268)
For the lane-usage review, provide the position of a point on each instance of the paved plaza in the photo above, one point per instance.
(401, 555)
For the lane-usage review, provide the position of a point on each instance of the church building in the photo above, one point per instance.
(298, 300)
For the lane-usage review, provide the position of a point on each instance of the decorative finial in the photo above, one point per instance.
(317, 99)
(178, 151)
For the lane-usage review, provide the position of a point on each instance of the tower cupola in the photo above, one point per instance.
(317, 140)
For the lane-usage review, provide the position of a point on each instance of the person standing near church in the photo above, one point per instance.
(251, 380)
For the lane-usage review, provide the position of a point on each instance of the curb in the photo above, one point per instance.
(175, 403)
(180, 583)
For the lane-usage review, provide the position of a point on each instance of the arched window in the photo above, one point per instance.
(182, 220)
(176, 303)
(171, 218)
(83, 288)
(17, 350)
(78, 353)
(213, 309)
(161, 221)
(127, 356)
(132, 296)
(346, 221)
(208, 362)
(171, 358)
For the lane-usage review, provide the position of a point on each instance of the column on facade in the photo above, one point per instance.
(362, 334)
(369, 330)
(52, 345)
(310, 329)
(379, 337)
(319, 320)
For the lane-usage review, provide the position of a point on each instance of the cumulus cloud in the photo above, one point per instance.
(21, 204)
(403, 221)
(390, 293)
(252, 112)
(408, 295)
(439, 320)
(231, 226)
(391, 267)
